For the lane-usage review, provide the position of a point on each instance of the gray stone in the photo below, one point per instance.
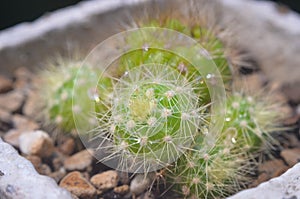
(19, 179)
(285, 186)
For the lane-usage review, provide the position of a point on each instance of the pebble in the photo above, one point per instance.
(147, 195)
(252, 82)
(11, 101)
(139, 184)
(23, 77)
(124, 178)
(5, 116)
(105, 180)
(12, 136)
(58, 160)
(23, 73)
(261, 178)
(67, 147)
(122, 190)
(290, 141)
(291, 156)
(58, 175)
(292, 91)
(36, 143)
(272, 168)
(33, 105)
(21, 122)
(22, 125)
(44, 169)
(36, 161)
(5, 84)
(78, 185)
(79, 161)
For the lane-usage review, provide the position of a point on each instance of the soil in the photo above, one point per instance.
(72, 166)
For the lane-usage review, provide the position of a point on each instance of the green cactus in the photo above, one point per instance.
(57, 92)
(152, 107)
(226, 168)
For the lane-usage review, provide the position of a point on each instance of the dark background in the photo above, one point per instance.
(16, 11)
(293, 4)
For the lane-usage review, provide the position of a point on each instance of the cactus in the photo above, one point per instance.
(155, 106)
(227, 167)
(159, 99)
(57, 92)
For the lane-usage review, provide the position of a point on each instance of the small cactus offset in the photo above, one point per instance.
(57, 92)
(253, 118)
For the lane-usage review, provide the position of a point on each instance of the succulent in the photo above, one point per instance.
(227, 167)
(154, 98)
(253, 118)
(57, 92)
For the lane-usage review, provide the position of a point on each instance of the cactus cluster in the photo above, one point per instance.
(153, 110)
(227, 166)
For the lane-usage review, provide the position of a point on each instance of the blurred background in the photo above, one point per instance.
(16, 11)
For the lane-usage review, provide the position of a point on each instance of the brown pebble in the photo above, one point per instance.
(79, 161)
(122, 190)
(33, 105)
(21, 122)
(105, 180)
(292, 92)
(78, 185)
(35, 160)
(272, 167)
(12, 136)
(74, 196)
(58, 160)
(68, 146)
(11, 101)
(252, 82)
(22, 85)
(291, 156)
(5, 84)
(36, 143)
(279, 171)
(22, 73)
(290, 141)
(58, 175)
(124, 177)
(263, 177)
(5, 116)
(44, 169)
